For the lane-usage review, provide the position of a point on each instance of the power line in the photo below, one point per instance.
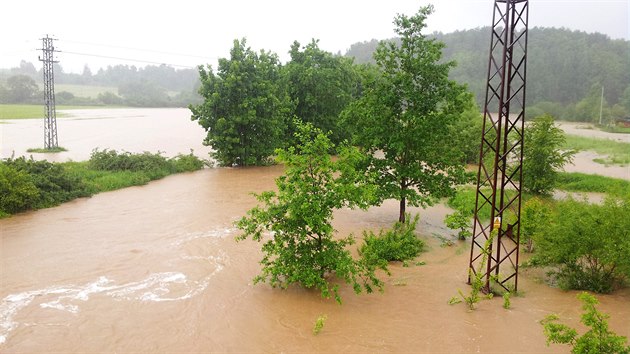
(129, 59)
(142, 50)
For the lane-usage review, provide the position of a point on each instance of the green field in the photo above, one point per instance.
(84, 90)
(617, 153)
(33, 111)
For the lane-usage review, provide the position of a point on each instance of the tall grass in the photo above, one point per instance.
(581, 182)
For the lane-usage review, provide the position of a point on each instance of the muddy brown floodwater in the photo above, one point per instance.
(156, 269)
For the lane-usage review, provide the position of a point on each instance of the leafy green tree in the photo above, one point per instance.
(542, 155)
(246, 108)
(302, 248)
(21, 89)
(321, 85)
(403, 119)
(598, 339)
(466, 131)
(586, 244)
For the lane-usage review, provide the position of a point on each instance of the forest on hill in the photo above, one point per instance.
(566, 69)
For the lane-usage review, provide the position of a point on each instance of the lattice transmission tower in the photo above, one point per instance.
(500, 173)
(50, 118)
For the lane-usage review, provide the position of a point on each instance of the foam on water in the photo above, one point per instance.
(216, 233)
(157, 287)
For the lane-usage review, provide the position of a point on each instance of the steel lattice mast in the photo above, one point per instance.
(50, 119)
(501, 154)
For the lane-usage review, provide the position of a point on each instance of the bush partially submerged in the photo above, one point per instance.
(399, 243)
(586, 245)
(29, 184)
(598, 339)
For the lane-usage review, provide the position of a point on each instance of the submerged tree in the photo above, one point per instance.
(302, 247)
(246, 108)
(403, 119)
(321, 85)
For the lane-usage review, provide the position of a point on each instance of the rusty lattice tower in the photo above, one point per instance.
(50, 118)
(501, 152)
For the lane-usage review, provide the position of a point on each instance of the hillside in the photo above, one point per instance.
(563, 66)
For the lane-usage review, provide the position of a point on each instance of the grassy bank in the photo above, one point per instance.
(585, 183)
(570, 182)
(26, 184)
(34, 111)
(617, 152)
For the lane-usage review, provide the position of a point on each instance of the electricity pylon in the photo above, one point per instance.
(50, 119)
(500, 174)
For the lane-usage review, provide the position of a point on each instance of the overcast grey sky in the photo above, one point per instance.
(192, 32)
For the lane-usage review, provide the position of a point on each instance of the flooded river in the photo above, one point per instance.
(168, 130)
(156, 269)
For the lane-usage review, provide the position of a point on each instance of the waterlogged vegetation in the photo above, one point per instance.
(598, 339)
(27, 184)
(397, 151)
(400, 243)
(304, 248)
(617, 153)
(48, 151)
(384, 121)
(585, 183)
(584, 246)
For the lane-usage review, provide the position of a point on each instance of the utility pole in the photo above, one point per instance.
(601, 106)
(500, 175)
(50, 119)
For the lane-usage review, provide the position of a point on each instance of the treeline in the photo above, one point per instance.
(566, 70)
(151, 86)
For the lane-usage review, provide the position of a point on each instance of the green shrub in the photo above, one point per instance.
(155, 166)
(187, 163)
(28, 184)
(587, 245)
(17, 191)
(598, 339)
(54, 183)
(111, 160)
(397, 244)
(534, 220)
(459, 220)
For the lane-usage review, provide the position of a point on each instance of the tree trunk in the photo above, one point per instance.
(403, 204)
(403, 200)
